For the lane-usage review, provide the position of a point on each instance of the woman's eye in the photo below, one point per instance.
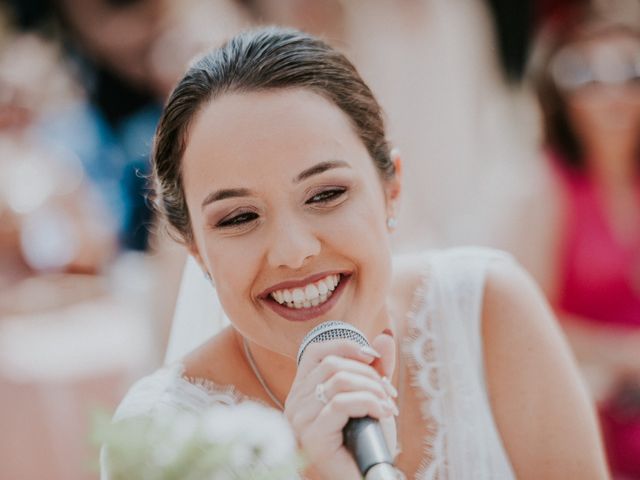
(237, 220)
(327, 195)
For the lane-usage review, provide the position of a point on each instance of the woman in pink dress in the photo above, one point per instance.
(588, 84)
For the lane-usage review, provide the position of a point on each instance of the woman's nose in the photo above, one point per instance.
(292, 242)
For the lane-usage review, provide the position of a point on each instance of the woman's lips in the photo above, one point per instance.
(308, 313)
(291, 284)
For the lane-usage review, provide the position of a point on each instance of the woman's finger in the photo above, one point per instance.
(333, 364)
(343, 406)
(317, 352)
(304, 386)
(306, 381)
(345, 381)
(386, 346)
(322, 392)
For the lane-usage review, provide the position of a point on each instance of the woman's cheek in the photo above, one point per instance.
(234, 272)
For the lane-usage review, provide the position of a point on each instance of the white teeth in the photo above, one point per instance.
(311, 291)
(311, 295)
(297, 296)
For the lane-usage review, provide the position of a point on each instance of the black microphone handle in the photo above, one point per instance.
(364, 439)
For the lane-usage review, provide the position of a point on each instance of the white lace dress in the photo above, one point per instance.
(445, 348)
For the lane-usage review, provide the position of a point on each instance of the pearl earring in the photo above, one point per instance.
(392, 223)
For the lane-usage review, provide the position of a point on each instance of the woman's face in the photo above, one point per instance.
(608, 103)
(288, 214)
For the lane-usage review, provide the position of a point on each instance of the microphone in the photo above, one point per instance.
(363, 437)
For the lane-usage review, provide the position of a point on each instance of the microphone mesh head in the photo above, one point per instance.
(332, 330)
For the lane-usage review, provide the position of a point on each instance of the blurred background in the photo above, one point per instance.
(518, 122)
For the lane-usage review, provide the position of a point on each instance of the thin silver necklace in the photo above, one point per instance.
(256, 372)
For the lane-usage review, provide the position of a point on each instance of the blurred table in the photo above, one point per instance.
(68, 345)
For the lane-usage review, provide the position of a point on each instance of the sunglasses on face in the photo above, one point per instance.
(573, 69)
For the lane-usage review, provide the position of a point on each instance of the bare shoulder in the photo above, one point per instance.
(217, 360)
(540, 405)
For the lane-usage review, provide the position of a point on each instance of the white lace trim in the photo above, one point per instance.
(420, 347)
(444, 348)
(225, 394)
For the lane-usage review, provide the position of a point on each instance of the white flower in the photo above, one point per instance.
(175, 432)
(256, 433)
(240, 442)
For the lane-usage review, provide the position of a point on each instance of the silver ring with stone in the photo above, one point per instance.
(321, 394)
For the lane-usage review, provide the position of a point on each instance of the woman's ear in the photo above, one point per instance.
(393, 186)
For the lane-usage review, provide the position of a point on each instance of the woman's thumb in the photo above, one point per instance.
(385, 345)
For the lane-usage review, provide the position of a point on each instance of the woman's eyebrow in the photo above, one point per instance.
(244, 192)
(225, 193)
(319, 168)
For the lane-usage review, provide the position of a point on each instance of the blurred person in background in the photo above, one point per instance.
(587, 77)
(107, 43)
(126, 55)
(51, 217)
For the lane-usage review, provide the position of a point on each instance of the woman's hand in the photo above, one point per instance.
(354, 383)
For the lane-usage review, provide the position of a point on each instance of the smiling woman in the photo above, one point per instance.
(273, 169)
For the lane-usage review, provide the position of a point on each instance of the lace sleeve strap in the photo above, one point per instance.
(446, 349)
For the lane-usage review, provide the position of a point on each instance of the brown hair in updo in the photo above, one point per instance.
(257, 60)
